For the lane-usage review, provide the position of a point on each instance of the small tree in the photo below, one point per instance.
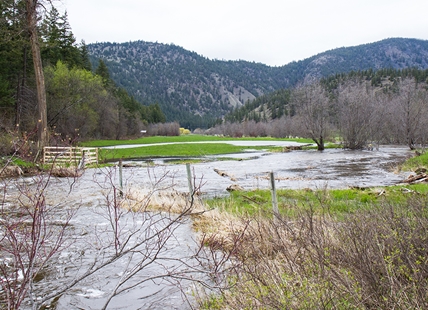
(410, 111)
(355, 114)
(313, 109)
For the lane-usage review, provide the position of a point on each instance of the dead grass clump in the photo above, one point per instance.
(164, 201)
(219, 229)
(10, 171)
(63, 172)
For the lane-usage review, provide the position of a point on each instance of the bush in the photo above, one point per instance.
(370, 259)
(164, 129)
(184, 131)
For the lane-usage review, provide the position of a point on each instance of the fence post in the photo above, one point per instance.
(189, 179)
(70, 155)
(120, 178)
(274, 199)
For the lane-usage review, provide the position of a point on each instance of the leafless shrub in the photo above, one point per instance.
(386, 255)
(31, 232)
(355, 109)
(370, 260)
(314, 110)
(167, 129)
(123, 233)
(408, 113)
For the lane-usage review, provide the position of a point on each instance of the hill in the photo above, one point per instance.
(195, 90)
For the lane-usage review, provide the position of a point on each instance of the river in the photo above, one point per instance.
(90, 229)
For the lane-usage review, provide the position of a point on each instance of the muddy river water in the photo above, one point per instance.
(332, 168)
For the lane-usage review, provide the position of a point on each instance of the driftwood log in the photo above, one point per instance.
(418, 178)
(225, 174)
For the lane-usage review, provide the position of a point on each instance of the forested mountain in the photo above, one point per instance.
(194, 90)
(360, 109)
(275, 105)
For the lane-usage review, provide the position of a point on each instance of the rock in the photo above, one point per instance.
(234, 187)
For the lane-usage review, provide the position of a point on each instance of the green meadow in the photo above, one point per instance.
(181, 146)
(174, 150)
(182, 138)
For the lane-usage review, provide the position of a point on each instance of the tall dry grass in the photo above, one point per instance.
(373, 259)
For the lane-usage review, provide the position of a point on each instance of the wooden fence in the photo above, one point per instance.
(70, 156)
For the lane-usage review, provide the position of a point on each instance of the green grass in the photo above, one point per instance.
(152, 140)
(184, 138)
(421, 188)
(336, 202)
(174, 150)
(416, 162)
(17, 162)
(181, 149)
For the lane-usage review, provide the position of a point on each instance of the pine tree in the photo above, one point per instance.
(156, 114)
(58, 40)
(84, 55)
(14, 57)
(103, 72)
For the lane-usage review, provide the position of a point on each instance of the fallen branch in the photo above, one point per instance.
(225, 174)
(423, 177)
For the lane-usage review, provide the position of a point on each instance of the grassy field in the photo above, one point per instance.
(337, 202)
(175, 150)
(183, 138)
(182, 146)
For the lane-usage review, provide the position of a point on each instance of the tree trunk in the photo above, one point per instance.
(320, 144)
(42, 133)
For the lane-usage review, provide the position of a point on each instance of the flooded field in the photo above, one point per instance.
(89, 195)
(332, 168)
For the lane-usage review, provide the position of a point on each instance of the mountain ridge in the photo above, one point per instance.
(196, 91)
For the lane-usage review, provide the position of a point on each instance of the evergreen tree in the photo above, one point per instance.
(84, 55)
(58, 40)
(156, 115)
(15, 63)
(103, 72)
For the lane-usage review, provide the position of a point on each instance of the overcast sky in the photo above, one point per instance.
(273, 32)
